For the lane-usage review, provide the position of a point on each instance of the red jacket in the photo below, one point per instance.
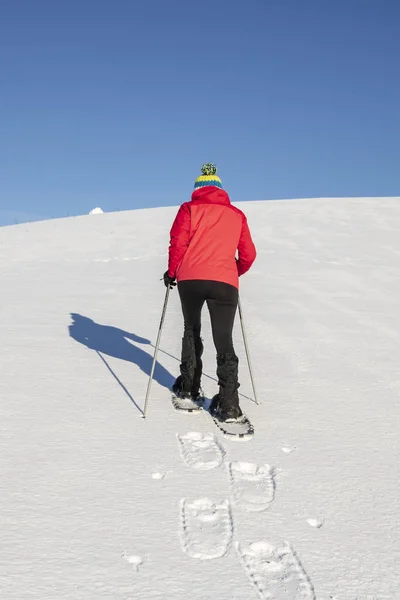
(205, 236)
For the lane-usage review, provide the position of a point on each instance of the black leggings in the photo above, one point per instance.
(221, 299)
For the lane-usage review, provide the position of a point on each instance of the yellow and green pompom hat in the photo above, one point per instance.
(209, 177)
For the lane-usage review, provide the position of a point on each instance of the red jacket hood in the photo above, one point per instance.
(212, 194)
(205, 237)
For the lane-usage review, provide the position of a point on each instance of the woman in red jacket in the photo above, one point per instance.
(205, 236)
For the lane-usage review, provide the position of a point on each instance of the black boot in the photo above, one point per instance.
(187, 385)
(183, 384)
(198, 371)
(226, 415)
(225, 405)
(177, 388)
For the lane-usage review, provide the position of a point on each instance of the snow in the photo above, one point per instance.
(97, 502)
(96, 211)
(12, 217)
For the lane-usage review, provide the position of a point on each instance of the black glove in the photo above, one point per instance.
(169, 281)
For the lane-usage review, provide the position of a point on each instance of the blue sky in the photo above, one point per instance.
(117, 103)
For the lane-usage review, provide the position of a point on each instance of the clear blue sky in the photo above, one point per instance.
(117, 103)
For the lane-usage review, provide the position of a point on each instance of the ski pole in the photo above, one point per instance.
(247, 350)
(155, 352)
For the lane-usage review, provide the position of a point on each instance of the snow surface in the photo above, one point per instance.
(12, 217)
(96, 211)
(96, 502)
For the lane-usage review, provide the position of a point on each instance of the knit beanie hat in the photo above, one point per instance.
(209, 177)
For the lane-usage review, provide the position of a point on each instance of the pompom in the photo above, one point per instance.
(209, 169)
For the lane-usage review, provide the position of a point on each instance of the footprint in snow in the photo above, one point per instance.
(200, 451)
(275, 571)
(205, 528)
(253, 486)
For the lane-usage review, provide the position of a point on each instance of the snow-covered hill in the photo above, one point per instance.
(96, 502)
(12, 217)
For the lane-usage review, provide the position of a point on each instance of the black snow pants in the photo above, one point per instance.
(222, 301)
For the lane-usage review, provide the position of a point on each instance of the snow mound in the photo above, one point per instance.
(96, 211)
(91, 494)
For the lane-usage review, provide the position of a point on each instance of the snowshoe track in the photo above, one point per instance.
(252, 486)
(206, 528)
(200, 451)
(276, 572)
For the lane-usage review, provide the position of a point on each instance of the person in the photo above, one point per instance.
(210, 248)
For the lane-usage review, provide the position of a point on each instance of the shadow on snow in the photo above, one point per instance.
(111, 341)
